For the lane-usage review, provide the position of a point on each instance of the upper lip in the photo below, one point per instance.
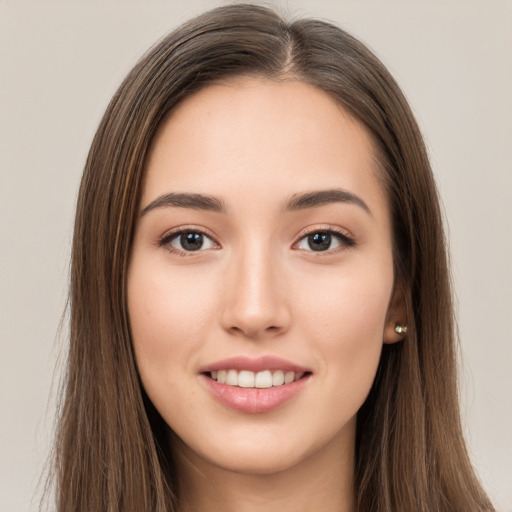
(254, 364)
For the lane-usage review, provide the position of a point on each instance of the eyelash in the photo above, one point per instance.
(166, 240)
(346, 240)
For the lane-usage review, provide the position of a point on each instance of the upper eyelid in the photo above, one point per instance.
(336, 230)
(171, 233)
(347, 240)
(325, 229)
(165, 240)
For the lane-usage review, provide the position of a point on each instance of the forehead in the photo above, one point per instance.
(258, 139)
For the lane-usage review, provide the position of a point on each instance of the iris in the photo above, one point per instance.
(319, 241)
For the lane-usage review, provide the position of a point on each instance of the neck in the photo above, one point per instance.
(322, 481)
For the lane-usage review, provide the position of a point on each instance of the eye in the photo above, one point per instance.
(187, 241)
(324, 240)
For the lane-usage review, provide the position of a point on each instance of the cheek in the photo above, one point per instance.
(170, 316)
(348, 305)
(347, 322)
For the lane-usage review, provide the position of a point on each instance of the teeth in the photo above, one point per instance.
(263, 379)
(247, 379)
(232, 378)
(278, 378)
(288, 377)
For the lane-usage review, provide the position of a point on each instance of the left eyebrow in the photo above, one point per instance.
(192, 201)
(322, 197)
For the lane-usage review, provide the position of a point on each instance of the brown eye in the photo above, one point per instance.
(324, 240)
(188, 241)
(191, 241)
(319, 241)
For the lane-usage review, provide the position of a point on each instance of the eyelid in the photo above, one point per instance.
(347, 239)
(168, 236)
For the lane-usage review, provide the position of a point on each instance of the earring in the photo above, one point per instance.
(401, 329)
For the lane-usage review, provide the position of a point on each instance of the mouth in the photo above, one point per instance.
(255, 385)
(248, 379)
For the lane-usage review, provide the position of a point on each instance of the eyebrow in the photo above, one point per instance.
(296, 202)
(322, 197)
(193, 201)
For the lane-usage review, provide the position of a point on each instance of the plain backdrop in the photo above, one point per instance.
(61, 61)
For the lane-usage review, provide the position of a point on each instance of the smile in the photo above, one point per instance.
(255, 386)
(261, 380)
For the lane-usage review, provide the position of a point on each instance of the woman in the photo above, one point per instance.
(260, 302)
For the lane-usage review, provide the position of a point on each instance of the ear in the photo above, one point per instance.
(396, 316)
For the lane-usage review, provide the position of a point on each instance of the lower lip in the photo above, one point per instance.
(255, 400)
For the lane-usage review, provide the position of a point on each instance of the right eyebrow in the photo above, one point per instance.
(319, 198)
(193, 201)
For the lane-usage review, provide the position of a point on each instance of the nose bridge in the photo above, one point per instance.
(254, 300)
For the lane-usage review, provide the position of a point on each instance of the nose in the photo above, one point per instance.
(255, 303)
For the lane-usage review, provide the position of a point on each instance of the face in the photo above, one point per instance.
(260, 286)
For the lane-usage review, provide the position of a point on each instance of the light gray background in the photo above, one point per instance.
(60, 63)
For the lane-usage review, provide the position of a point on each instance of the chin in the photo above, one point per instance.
(256, 462)
(262, 453)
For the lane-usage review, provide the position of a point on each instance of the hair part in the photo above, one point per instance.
(111, 448)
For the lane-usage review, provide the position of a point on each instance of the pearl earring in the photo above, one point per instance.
(401, 329)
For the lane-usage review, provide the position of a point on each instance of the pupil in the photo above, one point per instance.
(319, 241)
(191, 241)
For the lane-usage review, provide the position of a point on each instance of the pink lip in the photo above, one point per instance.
(254, 400)
(254, 365)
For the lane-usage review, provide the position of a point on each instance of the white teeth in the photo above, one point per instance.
(278, 378)
(263, 379)
(232, 378)
(245, 379)
(288, 377)
(248, 379)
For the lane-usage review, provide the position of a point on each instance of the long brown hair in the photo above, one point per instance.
(110, 451)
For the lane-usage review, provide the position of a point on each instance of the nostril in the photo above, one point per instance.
(255, 332)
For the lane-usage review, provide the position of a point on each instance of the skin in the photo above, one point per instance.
(257, 288)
